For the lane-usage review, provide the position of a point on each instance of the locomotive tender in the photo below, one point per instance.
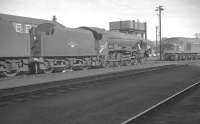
(49, 46)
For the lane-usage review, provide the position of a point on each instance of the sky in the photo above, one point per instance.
(180, 18)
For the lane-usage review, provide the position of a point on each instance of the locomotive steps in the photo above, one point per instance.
(37, 85)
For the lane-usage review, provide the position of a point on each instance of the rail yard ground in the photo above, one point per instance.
(25, 80)
(185, 110)
(107, 102)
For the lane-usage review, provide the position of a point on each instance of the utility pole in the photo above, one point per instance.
(160, 9)
(156, 38)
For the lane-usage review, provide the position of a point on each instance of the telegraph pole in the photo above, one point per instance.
(160, 9)
(156, 38)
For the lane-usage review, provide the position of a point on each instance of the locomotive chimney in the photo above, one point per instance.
(54, 18)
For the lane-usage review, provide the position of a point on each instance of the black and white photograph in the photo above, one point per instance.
(99, 62)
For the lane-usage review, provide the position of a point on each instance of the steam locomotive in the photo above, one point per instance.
(49, 48)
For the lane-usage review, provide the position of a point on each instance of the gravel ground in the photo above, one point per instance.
(106, 102)
(185, 111)
(25, 80)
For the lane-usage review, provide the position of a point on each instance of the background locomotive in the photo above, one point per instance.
(49, 46)
(180, 48)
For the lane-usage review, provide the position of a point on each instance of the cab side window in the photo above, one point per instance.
(27, 28)
(18, 27)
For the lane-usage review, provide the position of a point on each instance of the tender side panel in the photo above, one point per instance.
(69, 42)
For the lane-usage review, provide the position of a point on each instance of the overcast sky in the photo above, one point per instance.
(180, 17)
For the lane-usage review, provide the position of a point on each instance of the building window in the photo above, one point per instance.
(18, 27)
(27, 28)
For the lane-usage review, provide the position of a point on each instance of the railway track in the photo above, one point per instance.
(21, 94)
(142, 117)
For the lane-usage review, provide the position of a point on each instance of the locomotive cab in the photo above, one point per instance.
(36, 62)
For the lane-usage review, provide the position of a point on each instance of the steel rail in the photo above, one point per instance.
(161, 103)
